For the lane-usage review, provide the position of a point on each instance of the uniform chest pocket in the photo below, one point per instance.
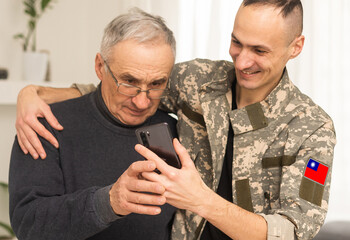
(272, 177)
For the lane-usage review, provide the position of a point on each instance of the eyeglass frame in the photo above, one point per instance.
(139, 90)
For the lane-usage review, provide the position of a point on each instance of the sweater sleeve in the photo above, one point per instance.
(40, 205)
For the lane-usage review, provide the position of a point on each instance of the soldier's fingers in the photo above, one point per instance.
(181, 151)
(51, 119)
(42, 131)
(33, 143)
(19, 138)
(28, 145)
(154, 177)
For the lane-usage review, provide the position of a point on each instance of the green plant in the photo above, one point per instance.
(3, 225)
(34, 9)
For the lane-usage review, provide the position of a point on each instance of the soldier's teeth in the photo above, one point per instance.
(245, 72)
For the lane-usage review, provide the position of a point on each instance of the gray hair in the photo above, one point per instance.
(138, 25)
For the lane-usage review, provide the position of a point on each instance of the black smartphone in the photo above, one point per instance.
(159, 140)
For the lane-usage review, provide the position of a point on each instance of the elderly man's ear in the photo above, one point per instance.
(99, 66)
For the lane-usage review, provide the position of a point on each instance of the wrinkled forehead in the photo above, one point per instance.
(142, 60)
(132, 46)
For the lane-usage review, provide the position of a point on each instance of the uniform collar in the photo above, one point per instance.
(279, 97)
(251, 117)
(258, 115)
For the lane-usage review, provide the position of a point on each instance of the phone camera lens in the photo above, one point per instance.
(144, 139)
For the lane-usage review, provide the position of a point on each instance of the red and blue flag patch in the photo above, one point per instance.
(316, 171)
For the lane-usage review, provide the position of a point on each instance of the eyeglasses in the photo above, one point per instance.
(132, 91)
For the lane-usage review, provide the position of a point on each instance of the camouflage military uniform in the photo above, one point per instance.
(273, 141)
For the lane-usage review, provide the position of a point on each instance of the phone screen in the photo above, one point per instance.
(158, 139)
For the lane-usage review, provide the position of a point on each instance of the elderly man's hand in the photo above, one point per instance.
(133, 194)
(29, 107)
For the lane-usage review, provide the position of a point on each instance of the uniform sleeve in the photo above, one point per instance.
(84, 88)
(303, 202)
(41, 208)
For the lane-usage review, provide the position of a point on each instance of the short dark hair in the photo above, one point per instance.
(287, 7)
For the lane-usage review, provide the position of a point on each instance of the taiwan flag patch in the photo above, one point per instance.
(316, 171)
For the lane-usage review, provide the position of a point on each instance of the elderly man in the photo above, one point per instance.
(90, 187)
(262, 150)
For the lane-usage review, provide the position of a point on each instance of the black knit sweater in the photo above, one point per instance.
(66, 196)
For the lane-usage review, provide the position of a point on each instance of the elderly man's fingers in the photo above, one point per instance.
(142, 209)
(138, 185)
(124, 201)
(140, 166)
(146, 198)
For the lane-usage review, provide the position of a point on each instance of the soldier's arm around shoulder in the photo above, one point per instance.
(188, 78)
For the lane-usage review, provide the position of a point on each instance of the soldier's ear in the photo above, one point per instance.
(297, 46)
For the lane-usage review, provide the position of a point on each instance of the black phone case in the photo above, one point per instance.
(159, 140)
